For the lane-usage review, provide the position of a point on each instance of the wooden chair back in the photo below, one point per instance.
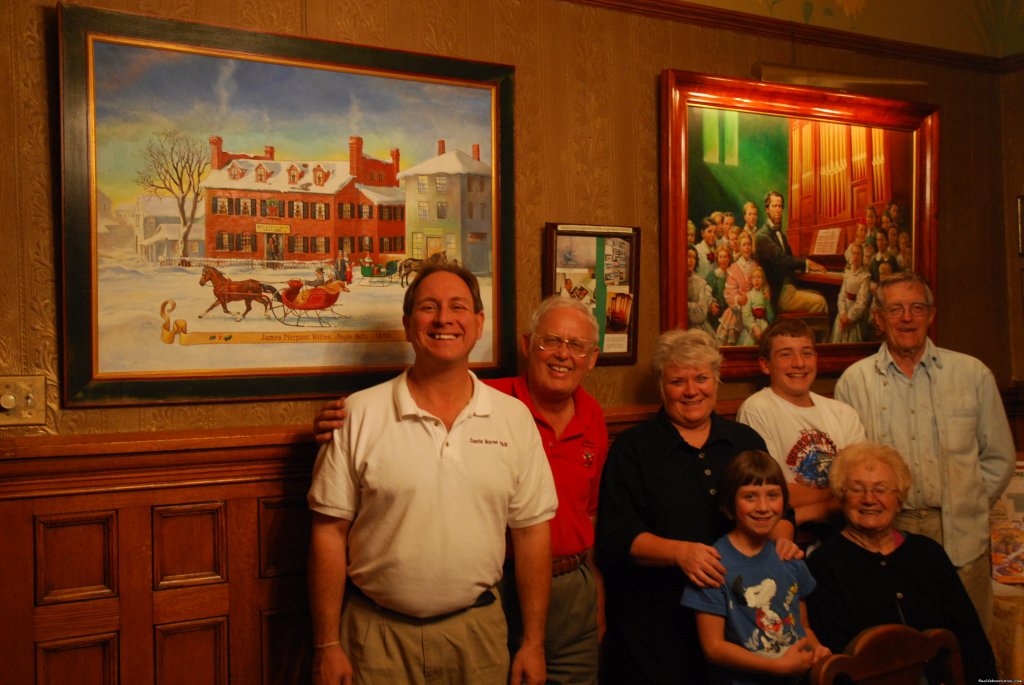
(892, 655)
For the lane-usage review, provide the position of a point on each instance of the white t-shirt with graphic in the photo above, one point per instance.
(804, 440)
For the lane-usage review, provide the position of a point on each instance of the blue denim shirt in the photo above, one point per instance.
(976, 451)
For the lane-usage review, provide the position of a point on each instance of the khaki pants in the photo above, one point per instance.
(385, 648)
(976, 575)
(570, 639)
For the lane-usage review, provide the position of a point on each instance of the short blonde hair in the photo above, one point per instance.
(869, 453)
(693, 347)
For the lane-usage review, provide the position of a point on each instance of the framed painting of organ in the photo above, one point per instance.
(790, 202)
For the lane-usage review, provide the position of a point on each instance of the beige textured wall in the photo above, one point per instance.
(586, 151)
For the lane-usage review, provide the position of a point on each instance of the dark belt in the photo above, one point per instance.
(487, 597)
(567, 564)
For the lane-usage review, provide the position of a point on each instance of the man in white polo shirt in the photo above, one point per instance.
(560, 350)
(411, 500)
(803, 430)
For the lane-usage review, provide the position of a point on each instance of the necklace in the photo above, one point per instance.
(878, 544)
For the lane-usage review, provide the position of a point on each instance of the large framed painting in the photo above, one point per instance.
(784, 201)
(243, 213)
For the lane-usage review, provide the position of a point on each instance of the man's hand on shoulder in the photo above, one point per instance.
(330, 417)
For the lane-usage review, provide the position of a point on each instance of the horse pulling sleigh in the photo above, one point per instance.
(292, 306)
(226, 290)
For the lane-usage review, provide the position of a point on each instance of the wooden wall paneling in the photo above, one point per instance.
(17, 595)
(284, 524)
(184, 603)
(73, 619)
(170, 522)
(192, 652)
(91, 660)
(135, 518)
(286, 641)
(189, 545)
(244, 589)
(1013, 400)
(76, 556)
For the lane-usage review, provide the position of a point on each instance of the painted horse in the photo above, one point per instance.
(226, 290)
(411, 266)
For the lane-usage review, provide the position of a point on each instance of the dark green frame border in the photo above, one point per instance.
(79, 387)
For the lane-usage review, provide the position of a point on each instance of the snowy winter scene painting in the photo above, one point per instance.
(254, 214)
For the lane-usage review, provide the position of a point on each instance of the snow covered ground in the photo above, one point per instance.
(130, 293)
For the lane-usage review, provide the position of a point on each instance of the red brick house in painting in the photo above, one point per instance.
(262, 208)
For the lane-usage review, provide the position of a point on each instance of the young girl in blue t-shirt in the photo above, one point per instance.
(753, 628)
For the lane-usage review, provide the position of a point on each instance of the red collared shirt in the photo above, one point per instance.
(576, 458)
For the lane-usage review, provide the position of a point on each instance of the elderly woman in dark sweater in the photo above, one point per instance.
(871, 574)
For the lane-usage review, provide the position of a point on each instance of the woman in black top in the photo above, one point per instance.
(658, 514)
(872, 574)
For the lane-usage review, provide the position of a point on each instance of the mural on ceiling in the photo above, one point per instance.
(1001, 25)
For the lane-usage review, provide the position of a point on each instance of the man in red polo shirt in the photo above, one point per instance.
(560, 349)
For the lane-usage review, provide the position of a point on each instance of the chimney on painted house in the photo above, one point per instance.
(355, 155)
(216, 149)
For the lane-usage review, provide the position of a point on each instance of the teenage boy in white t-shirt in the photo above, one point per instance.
(803, 430)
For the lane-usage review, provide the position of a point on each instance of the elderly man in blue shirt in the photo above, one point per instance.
(943, 413)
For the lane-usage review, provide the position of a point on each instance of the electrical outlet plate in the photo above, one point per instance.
(22, 400)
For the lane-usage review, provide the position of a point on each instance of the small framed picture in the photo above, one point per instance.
(599, 266)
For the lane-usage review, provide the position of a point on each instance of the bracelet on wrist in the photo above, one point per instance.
(327, 644)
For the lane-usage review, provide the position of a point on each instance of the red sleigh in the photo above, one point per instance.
(298, 306)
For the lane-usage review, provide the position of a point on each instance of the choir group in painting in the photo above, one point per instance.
(750, 274)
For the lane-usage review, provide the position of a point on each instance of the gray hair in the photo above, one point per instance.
(693, 348)
(869, 453)
(554, 302)
(909, 277)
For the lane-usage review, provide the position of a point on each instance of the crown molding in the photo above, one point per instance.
(1013, 63)
(730, 20)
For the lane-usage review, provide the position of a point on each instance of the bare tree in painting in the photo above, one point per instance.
(174, 165)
